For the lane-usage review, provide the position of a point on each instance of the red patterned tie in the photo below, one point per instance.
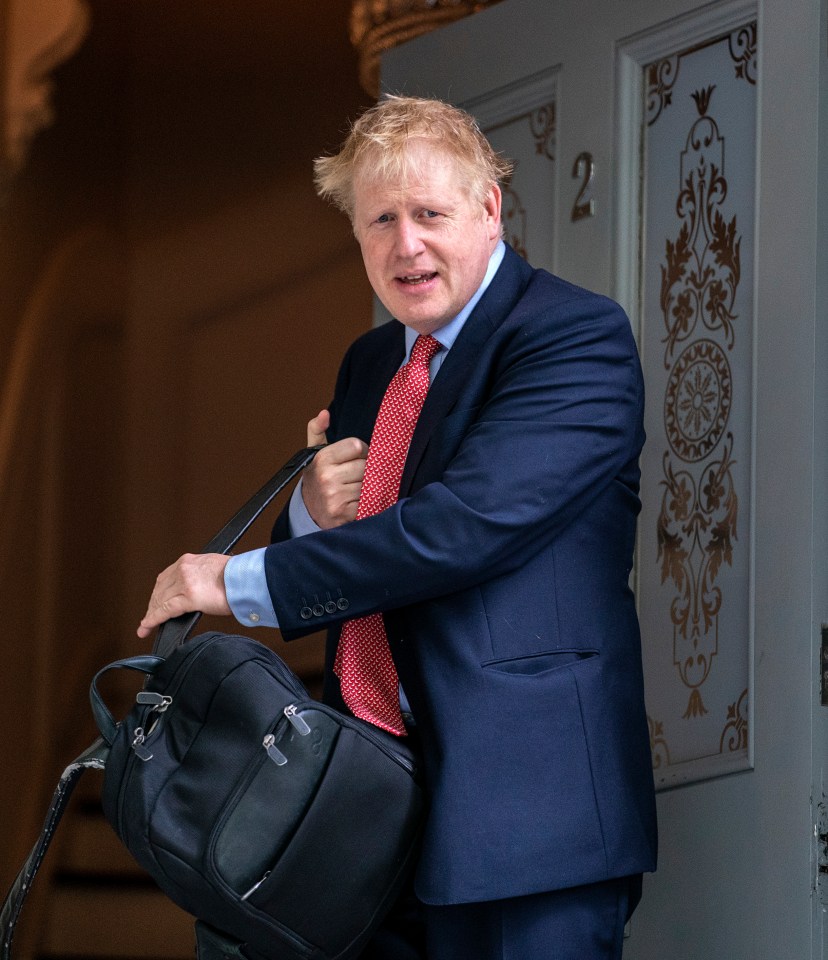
(363, 660)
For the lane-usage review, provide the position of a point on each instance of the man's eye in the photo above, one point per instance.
(431, 213)
(384, 218)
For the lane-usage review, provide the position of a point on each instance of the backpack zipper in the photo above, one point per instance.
(291, 711)
(138, 747)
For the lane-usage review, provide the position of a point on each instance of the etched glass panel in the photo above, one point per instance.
(520, 122)
(695, 537)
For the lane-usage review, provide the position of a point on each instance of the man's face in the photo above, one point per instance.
(425, 243)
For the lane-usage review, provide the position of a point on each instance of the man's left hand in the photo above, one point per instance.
(194, 582)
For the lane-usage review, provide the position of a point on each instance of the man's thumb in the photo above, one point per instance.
(317, 428)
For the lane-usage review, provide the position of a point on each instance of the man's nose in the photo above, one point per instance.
(409, 238)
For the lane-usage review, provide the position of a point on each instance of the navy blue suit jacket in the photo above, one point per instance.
(503, 575)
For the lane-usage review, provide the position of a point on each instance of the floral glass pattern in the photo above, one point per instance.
(694, 581)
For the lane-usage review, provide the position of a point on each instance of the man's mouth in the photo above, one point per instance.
(413, 279)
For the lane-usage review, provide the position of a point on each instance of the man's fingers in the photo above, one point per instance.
(167, 597)
(331, 484)
(336, 473)
(193, 582)
(343, 451)
(317, 427)
(159, 612)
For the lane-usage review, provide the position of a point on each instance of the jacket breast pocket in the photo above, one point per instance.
(538, 663)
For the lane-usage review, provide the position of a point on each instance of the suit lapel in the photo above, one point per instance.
(386, 364)
(370, 379)
(496, 303)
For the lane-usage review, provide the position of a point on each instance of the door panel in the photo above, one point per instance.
(720, 274)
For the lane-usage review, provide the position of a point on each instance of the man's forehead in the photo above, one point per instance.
(417, 173)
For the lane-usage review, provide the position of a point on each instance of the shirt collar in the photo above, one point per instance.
(447, 334)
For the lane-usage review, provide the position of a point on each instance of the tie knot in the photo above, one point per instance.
(424, 349)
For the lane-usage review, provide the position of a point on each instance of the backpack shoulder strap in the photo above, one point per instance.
(174, 632)
(93, 757)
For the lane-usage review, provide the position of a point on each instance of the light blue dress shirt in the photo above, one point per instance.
(244, 576)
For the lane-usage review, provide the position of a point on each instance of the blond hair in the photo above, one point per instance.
(377, 146)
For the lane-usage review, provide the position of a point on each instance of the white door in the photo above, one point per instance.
(668, 155)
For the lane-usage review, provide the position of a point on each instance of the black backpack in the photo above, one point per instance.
(285, 827)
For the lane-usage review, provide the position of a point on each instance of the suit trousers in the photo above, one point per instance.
(579, 923)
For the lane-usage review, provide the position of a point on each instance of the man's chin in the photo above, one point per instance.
(423, 325)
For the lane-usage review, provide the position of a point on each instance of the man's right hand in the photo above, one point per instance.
(332, 482)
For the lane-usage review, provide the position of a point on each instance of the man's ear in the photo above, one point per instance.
(491, 205)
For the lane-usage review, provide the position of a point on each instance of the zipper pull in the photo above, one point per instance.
(138, 745)
(275, 755)
(255, 886)
(298, 722)
(158, 701)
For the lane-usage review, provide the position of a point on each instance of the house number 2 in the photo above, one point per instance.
(584, 170)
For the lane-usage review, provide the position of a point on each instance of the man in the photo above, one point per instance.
(508, 642)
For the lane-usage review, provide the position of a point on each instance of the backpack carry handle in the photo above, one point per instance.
(103, 717)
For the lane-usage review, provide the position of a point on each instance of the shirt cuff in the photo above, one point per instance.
(247, 593)
(301, 522)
